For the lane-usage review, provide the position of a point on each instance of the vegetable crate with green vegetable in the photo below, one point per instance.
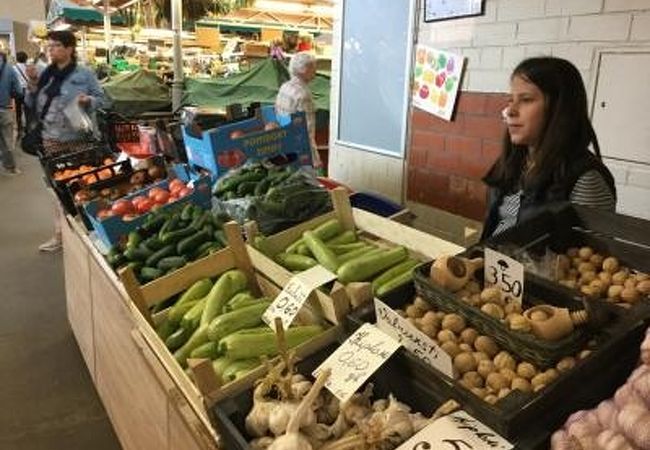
(215, 314)
(370, 254)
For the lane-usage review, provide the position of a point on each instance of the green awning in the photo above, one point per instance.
(133, 93)
(71, 12)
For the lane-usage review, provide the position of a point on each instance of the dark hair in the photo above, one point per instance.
(65, 37)
(566, 133)
(21, 57)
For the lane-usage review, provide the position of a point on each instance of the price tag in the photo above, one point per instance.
(414, 340)
(457, 431)
(504, 272)
(287, 304)
(357, 359)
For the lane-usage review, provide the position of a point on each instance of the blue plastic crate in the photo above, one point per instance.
(112, 228)
(375, 203)
(218, 152)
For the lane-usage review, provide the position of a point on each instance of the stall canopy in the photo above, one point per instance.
(136, 92)
(260, 84)
(70, 11)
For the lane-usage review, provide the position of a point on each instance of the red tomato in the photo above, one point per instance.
(144, 205)
(122, 207)
(104, 213)
(160, 197)
(172, 198)
(136, 200)
(154, 191)
(184, 192)
(176, 185)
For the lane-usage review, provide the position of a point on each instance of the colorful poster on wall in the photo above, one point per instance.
(436, 80)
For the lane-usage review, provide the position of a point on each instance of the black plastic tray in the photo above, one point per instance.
(533, 417)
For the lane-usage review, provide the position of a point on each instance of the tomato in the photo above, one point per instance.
(160, 197)
(136, 200)
(104, 213)
(122, 207)
(184, 192)
(129, 217)
(176, 185)
(172, 198)
(144, 205)
(154, 191)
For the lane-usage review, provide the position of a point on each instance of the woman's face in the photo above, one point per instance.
(58, 52)
(526, 112)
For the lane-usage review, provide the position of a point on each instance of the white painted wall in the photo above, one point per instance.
(493, 44)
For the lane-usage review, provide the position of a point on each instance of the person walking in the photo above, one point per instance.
(9, 89)
(61, 84)
(21, 72)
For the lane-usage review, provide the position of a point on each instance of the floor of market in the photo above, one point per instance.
(48, 398)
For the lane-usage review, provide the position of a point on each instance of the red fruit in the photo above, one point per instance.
(176, 185)
(144, 205)
(184, 192)
(104, 213)
(160, 197)
(122, 207)
(440, 79)
(136, 200)
(129, 217)
(172, 198)
(154, 191)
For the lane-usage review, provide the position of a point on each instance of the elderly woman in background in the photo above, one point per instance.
(295, 95)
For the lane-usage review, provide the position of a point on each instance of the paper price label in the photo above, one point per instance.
(504, 272)
(294, 295)
(357, 359)
(414, 340)
(457, 431)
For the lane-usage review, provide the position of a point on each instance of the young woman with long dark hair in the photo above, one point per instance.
(550, 150)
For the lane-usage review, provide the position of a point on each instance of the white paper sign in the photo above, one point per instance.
(457, 431)
(504, 272)
(414, 340)
(357, 359)
(287, 304)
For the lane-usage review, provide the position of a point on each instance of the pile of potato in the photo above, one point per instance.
(596, 275)
(479, 363)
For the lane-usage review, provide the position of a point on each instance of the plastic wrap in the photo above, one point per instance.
(288, 196)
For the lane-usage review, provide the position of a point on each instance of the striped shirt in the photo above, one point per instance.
(294, 95)
(590, 189)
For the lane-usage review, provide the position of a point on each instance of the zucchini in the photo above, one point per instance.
(324, 231)
(176, 313)
(223, 290)
(321, 252)
(238, 300)
(165, 329)
(209, 350)
(190, 243)
(293, 261)
(177, 339)
(239, 319)
(253, 343)
(239, 368)
(199, 337)
(198, 290)
(243, 302)
(345, 257)
(394, 283)
(192, 317)
(365, 266)
(219, 365)
(392, 272)
(339, 249)
(347, 237)
(150, 273)
(171, 263)
(169, 250)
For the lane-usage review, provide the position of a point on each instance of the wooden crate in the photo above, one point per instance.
(381, 230)
(205, 392)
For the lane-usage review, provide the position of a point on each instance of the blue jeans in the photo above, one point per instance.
(7, 139)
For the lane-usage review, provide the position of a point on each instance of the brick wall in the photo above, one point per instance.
(448, 159)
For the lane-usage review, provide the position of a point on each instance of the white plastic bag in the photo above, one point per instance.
(78, 118)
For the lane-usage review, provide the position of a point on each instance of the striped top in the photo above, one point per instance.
(590, 189)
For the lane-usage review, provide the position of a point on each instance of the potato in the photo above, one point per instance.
(451, 348)
(526, 370)
(468, 335)
(539, 380)
(473, 379)
(453, 322)
(486, 367)
(575, 262)
(586, 267)
(486, 345)
(465, 347)
(585, 253)
(640, 276)
(521, 384)
(429, 329)
(414, 312)
(611, 265)
(479, 392)
(629, 283)
(571, 284)
(605, 277)
(504, 392)
(551, 375)
(584, 354)
(630, 295)
(566, 363)
(619, 277)
(421, 303)
(512, 307)
(508, 374)
(504, 360)
(589, 292)
(446, 336)
(491, 399)
(465, 362)
(496, 381)
(643, 287)
(614, 291)
(480, 356)
(430, 318)
(588, 276)
(473, 287)
(597, 260)
(493, 310)
(598, 286)
(538, 315)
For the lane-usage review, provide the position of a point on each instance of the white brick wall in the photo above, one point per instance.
(605, 27)
(572, 7)
(640, 27)
(625, 5)
(542, 30)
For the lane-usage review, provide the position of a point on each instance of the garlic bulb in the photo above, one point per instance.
(611, 440)
(634, 419)
(280, 415)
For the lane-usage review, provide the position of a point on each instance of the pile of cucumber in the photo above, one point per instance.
(168, 240)
(352, 259)
(222, 321)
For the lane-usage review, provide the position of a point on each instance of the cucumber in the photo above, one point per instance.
(115, 259)
(262, 187)
(133, 240)
(347, 237)
(365, 266)
(172, 237)
(189, 243)
(321, 252)
(153, 243)
(150, 273)
(205, 249)
(154, 225)
(168, 250)
(171, 263)
(140, 253)
(220, 237)
(245, 188)
(177, 339)
(169, 225)
(293, 261)
(186, 213)
(392, 272)
(394, 283)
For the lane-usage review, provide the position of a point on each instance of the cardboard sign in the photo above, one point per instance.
(504, 272)
(294, 295)
(457, 431)
(414, 340)
(357, 359)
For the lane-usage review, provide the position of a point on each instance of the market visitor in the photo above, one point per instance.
(41, 63)
(546, 157)
(62, 83)
(9, 89)
(21, 72)
(295, 95)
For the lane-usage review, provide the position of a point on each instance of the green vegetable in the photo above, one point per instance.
(209, 350)
(171, 263)
(150, 273)
(394, 283)
(220, 237)
(115, 259)
(392, 272)
(176, 313)
(324, 231)
(133, 240)
(253, 343)
(199, 337)
(340, 249)
(165, 328)
(190, 243)
(237, 300)
(321, 252)
(192, 318)
(219, 365)
(245, 188)
(294, 261)
(198, 290)
(239, 368)
(223, 290)
(177, 339)
(347, 237)
(205, 249)
(239, 319)
(154, 224)
(365, 266)
(172, 237)
(169, 250)
(170, 224)
(262, 186)
(153, 243)
(186, 213)
(139, 253)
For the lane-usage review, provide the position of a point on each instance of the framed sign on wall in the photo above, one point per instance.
(435, 10)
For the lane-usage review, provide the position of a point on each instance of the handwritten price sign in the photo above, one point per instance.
(357, 359)
(294, 295)
(457, 431)
(412, 339)
(506, 273)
